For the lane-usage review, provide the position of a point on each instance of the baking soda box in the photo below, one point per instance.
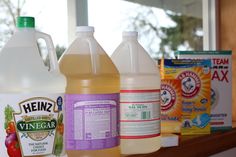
(171, 106)
(221, 85)
(195, 77)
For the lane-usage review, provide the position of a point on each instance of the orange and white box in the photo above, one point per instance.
(221, 85)
(171, 106)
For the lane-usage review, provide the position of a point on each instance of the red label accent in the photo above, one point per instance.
(138, 137)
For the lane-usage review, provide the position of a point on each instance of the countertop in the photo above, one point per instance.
(198, 146)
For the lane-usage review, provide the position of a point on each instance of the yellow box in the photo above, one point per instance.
(221, 85)
(171, 106)
(195, 76)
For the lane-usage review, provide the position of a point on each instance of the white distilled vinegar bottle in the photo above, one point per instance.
(139, 97)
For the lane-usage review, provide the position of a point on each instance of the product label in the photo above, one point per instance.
(221, 85)
(92, 121)
(195, 77)
(140, 113)
(33, 125)
(221, 92)
(191, 83)
(171, 100)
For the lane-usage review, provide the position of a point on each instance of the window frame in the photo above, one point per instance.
(210, 24)
(77, 11)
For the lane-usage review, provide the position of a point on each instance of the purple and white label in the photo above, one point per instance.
(92, 121)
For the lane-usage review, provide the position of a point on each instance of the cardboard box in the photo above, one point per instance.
(221, 85)
(195, 76)
(171, 106)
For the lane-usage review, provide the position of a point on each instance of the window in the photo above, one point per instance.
(48, 19)
(164, 26)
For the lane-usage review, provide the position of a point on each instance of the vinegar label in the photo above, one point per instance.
(92, 121)
(32, 125)
(140, 113)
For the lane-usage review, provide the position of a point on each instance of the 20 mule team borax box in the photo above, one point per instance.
(221, 85)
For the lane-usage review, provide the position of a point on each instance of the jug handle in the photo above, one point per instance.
(133, 49)
(94, 55)
(51, 50)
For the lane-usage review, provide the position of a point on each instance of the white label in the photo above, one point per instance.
(140, 113)
(33, 125)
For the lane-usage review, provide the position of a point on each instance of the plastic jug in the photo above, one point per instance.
(92, 98)
(139, 97)
(31, 96)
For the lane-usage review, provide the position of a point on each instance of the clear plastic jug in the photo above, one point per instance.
(139, 97)
(92, 98)
(31, 96)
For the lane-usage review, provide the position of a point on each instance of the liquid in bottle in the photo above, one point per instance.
(139, 97)
(92, 98)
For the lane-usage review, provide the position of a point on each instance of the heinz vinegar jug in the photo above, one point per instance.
(31, 96)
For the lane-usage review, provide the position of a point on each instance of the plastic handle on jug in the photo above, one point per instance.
(94, 56)
(51, 50)
(134, 57)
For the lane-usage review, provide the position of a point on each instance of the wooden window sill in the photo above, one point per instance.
(198, 146)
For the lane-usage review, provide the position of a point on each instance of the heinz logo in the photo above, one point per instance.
(38, 104)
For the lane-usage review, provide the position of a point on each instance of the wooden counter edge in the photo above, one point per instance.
(203, 146)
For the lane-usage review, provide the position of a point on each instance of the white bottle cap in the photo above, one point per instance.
(130, 34)
(84, 29)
